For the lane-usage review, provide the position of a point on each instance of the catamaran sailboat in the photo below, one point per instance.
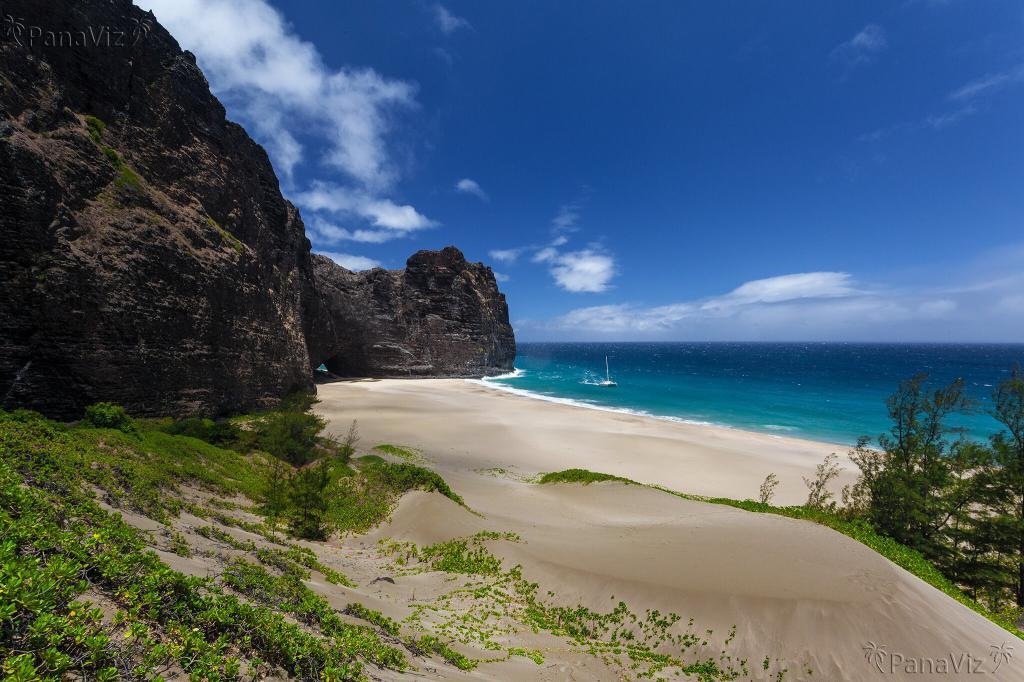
(607, 375)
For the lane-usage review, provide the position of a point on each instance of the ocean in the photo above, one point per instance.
(833, 392)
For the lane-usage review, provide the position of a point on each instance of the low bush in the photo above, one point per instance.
(223, 434)
(580, 476)
(109, 416)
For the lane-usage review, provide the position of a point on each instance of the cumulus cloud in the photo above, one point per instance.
(279, 85)
(342, 119)
(583, 271)
(468, 186)
(446, 21)
(350, 262)
(863, 47)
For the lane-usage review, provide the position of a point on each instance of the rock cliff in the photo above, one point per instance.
(440, 316)
(147, 255)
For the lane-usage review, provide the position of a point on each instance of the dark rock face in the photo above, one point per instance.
(440, 316)
(147, 256)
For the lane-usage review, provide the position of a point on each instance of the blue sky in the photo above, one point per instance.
(658, 170)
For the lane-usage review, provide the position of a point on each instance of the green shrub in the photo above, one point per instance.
(433, 645)
(580, 476)
(290, 436)
(376, 617)
(96, 128)
(223, 434)
(109, 416)
(403, 477)
(309, 502)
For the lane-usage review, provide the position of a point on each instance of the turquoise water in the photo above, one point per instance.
(822, 391)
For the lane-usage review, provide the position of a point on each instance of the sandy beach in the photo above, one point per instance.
(801, 594)
(469, 426)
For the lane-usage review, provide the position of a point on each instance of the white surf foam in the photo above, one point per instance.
(491, 383)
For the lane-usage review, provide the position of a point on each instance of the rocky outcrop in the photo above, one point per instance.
(147, 255)
(440, 316)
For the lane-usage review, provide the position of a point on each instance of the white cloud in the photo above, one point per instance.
(786, 288)
(940, 121)
(606, 319)
(566, 218)
(350, 262)
(818, 306)
(381, 213)
(304, 111)
(583, 271)
(989, 84)
(506, 255)
(279, 85)
(863, 47)
(545, 255)
(448, 22)
(467, 186)
(323, 231)
(501, 277)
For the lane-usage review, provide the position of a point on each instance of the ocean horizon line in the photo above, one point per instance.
(768, 343)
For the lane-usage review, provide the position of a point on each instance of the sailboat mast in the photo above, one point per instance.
(607, 374)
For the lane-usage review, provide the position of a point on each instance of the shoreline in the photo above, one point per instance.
(784, 432)
(473, 425)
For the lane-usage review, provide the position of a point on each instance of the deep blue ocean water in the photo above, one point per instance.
(823, 391)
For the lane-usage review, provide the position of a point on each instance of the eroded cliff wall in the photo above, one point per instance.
(440, 316)
(147, 256)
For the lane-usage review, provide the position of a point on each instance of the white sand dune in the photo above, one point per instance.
(794, 590)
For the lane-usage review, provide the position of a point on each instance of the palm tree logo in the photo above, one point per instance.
(140, 29)
(875, 654)
(1001, 653)
(14, 28)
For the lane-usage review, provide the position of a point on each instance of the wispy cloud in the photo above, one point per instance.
(991, 83)
(506, 255)
(448, 22)
(392, 220)
(545, 255)
(468, 186)
(587, 270)
(785, 288)
(350, 262)
(566, 218)
(322, 231)
(862, 48)
(967, 100)
(940, 121)
(811, 306)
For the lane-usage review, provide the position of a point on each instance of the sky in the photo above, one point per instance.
(663, 170)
